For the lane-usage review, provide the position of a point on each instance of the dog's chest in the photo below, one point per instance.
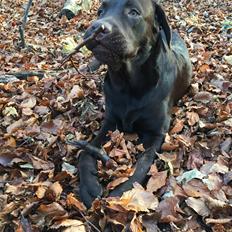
(126, 107)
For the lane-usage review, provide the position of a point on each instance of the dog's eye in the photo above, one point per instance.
(133, 13)
(100, 12)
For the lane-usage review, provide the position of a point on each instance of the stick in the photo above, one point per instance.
(25, 75)
(98, 153)
(82, 44)
(24, 21)
(21, 33)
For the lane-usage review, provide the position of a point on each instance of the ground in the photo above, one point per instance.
(190, 184)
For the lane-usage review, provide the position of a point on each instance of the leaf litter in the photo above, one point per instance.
(189, 186)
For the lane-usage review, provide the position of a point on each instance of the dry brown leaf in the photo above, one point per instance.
(116, 182)
(150, 222)
(41, 164)
(136, 225)
(76, 92)
(27, 111)
(11, 142)
(28, 102)
(218, 221)
(72, 201)
(196, 188)
(168, 210)
(54, 191)
(157, 181)
(53, 126)
(14, 126)
(204, 68)
(153, 170)
(169, 146)
(216, 204)
(41, 110)
(195, 160)
(193, 118)
(8, 209)
(6, 159)
(203, 97)
(184, 140)
(198, 205)
(71, 225)
(53, 211)
(136, 200)
(178, 126)
(40, 192)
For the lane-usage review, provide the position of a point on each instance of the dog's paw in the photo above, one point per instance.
(90, 188)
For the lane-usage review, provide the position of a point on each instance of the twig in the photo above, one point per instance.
(21, 34)
(98, 153)
(89, 222)
(26, 225)
(83, 43)
(24, 21)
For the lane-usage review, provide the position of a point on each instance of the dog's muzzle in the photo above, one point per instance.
(109, 46)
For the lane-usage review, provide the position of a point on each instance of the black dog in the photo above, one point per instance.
(148, 71)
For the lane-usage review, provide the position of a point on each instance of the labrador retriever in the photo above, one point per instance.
(149, 70)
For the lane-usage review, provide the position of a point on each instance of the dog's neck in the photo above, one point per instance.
(128, 75)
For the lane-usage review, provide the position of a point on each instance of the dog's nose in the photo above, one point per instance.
(105, 29)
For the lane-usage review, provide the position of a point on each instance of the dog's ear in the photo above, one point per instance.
(163, 22)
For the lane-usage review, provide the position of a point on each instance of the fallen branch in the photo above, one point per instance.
(73, 7)
(92, 150)
(11, 77)
(24, 21)
(82, 44)
(25, 75)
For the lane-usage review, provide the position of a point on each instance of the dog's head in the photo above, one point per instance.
(130, 29)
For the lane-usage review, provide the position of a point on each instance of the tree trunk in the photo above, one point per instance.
(73, 7)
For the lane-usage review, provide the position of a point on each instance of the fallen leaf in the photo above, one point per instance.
(156, 181)
(228, 59)
(218, 221)
(41, 164)
(76, 92)
(168, 210)
(10, 111)
(71, 225)
(203, 97)
(14, 126)
(192, 117)
(28, 102)
(136, 200)
(136, 225)
(54, 191)
(116, 182)
(40, 192)
(52, 211)
(72, 201)
(41, 110)
(195, 188)
(198, 205)
(178, 126)
(204, 68)
(68, 45)
(195, 160)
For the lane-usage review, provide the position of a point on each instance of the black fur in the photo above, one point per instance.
(148, 71)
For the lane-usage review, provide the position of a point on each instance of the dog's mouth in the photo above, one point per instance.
(113, 50)
(105, 54)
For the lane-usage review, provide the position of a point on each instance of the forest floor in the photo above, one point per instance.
(190, 184)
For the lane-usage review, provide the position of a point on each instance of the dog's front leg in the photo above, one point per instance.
(142, 167)
(89, 185)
